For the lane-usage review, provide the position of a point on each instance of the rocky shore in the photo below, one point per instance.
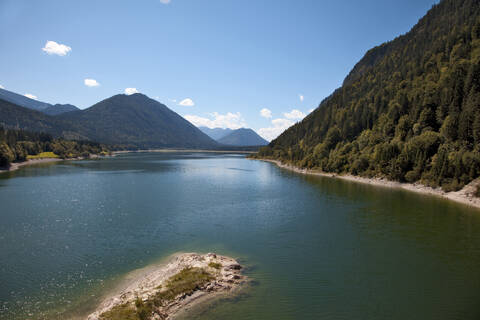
(186, 280)
(465, 196)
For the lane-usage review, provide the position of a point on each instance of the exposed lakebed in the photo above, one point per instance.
(315, 247)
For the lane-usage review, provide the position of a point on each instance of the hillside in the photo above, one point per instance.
(215, 133)
(243, 137)
(408, 111)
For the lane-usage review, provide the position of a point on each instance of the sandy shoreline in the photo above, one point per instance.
(464, 196)
(17, 165)
(144, 284)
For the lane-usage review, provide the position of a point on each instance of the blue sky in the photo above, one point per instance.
(215, 62)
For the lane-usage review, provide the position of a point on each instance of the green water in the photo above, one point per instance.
(316, 248)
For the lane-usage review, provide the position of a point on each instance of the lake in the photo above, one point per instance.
(315, 247)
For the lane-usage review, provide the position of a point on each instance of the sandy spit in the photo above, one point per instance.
(465, 196)
(227, 280)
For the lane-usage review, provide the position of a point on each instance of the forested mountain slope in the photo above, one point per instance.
(408, 111)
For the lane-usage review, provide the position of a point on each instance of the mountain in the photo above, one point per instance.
(135, 120)
(33, 104)
(23, 101)
(409, 110)
(215, 133)
(57, 109)
(243, 137)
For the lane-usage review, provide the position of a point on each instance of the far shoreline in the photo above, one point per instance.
(183, 150)
(17, 165)
(464, 196)
(14, 166)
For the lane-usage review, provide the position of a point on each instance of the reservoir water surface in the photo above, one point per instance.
(315, 247)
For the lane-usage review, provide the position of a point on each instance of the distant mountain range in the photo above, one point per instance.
(238, 137)
(215, 133)
(33, 104)
(131, 121)
(134, 121)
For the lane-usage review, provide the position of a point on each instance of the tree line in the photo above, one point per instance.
(16, 145)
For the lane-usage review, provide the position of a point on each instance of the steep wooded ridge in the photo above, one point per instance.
(408, 111)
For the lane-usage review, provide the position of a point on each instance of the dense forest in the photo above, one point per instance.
(408, 111)
(17, 145)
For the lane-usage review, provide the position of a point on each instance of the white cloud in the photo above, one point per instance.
(229, 120)
(281, 124)
(91, 83)
(294, 114)
(31, 96)
(1, 87)
(266, 113)
(186, 103)
(278, 126)
(129, 91)
(165, 1)
(301, 97)
(173, 100)
(311, 110)
(51, 47)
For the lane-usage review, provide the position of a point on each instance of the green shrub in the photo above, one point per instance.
(185, 282)
(215, 265)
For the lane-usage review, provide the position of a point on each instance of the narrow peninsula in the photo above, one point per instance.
(186, 280)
